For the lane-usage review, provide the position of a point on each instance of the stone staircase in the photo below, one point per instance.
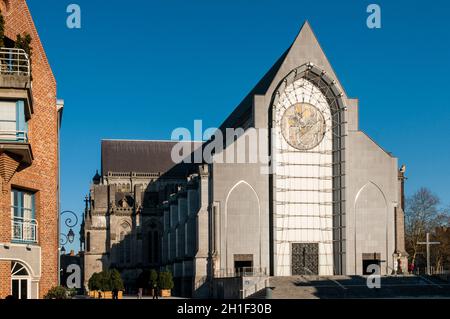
(314, 287)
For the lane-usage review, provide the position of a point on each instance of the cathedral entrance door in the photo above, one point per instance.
(305, 259)
(243, 264)
(370, 259)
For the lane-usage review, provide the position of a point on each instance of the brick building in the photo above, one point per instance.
(29, 161)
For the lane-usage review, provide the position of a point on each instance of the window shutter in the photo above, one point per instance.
(21, 125)
(33, 210)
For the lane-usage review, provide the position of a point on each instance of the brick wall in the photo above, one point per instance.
(42, 175)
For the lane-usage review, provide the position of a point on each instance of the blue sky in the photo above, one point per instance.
(138, 69)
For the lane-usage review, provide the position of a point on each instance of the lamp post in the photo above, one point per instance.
(70, 221)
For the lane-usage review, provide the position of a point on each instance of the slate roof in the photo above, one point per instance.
(259, 89)
(143, 157)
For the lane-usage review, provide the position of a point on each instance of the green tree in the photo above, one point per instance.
(2, 30)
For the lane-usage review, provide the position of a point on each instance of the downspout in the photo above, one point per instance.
(59, 110)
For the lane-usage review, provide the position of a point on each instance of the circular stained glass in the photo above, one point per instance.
(303, 126)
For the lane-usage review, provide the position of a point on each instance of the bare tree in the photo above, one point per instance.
(422, 210)
(441, 253)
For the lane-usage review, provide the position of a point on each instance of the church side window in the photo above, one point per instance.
(125, 244)
(88, 241)
(153, 246)
(122, 247)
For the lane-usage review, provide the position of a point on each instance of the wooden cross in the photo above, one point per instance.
(428, 243)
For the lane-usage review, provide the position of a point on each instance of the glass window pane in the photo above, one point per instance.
(21, 272)
(27, 200)
(7, 111)
(15, 288)
(28, 206)
(22, 204)
(23, 289)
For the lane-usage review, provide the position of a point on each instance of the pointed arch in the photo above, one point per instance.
(243, 210)
(329, 88)
(372, 200)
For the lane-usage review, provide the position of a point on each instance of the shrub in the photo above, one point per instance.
(58, 292)
(106, 280)
(72, 292)
(24, 43)
(94, 282)
(116, 280)
(153, 277)
(165, 280)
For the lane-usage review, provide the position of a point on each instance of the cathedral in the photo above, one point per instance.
(329, 201)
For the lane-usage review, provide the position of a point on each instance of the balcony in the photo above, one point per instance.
(14, 136)
(16, 144)
(23, 230)
(15, 77)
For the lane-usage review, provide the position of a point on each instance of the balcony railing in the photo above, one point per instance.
(24, 230)
(241, 272)
(14, 62)
(14, 136)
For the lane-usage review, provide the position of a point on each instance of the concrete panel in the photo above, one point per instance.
(242, 224)
(366, 162)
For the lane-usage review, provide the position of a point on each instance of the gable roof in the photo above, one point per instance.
(305, 48)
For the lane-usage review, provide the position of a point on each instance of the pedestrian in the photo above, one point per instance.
(155, 291)
(140, 293)
(399, 267)
(115, 293)
(411, 268)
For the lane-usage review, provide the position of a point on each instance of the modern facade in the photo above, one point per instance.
(327, 201)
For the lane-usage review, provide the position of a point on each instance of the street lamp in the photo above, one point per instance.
(70, 221)
(70, 236)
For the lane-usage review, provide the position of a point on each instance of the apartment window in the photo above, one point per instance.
(24, 225)
(13, 126)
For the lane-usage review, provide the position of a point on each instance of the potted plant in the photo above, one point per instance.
(101, 285)
(105, 284)
(94, 285)
(165, 283)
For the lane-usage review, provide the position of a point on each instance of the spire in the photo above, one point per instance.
(96, 178)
